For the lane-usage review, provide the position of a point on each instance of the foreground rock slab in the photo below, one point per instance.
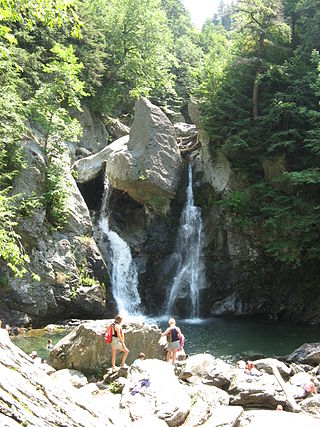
(30, 397)
(153, 390)
(260, 418)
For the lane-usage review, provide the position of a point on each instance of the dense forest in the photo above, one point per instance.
(253, 68)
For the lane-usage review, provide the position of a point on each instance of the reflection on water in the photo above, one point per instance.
(225, 338)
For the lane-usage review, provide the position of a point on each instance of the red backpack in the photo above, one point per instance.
(108, 335)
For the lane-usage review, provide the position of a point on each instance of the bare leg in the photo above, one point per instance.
(124, 357)
(169, 355)
(113, 358)
(174, 355)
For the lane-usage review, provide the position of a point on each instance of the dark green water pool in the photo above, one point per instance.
(234, 338)
(36, 339)
(225, 338)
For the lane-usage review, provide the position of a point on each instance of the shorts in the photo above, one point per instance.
(116, 343)
(175, 345)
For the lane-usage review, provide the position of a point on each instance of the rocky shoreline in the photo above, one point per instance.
(77, 387)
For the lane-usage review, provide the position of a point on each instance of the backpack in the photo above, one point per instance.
(108, 335)
(174, 335)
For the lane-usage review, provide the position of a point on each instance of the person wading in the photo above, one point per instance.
(117, 344)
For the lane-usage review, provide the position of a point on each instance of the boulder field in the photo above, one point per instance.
(78, 388)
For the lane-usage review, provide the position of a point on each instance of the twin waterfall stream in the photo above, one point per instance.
(186, 261)
(187, 258)
(124, 276)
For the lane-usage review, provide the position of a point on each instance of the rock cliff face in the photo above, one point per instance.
(64, 259)
(146, 164)
(149, 179)
(239, 273)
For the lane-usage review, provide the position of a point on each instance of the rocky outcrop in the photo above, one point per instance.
(147, 164)
(208, 401)
(116, 128)
(75, 378)
(209, 370)
(30, 397)
(64, 259)
(90, 167)
(268, 365)
(274, 168)
(232, 252)
(75, 351)
(149, 392)
(308, 353)
(153, 389)
(256, 391)
(94, 133)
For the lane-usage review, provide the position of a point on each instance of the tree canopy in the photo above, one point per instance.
(254, 68)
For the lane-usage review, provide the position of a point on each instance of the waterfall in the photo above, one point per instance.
(187, 258)
(124, 277)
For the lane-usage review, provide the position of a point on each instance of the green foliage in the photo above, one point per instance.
(49, 109)
(11, 250)
(74, 292)
(115, 387)
(17, 75)
(57, 188)
(145, 175)
(188, 57)
(27, 205)
(85, 277)
(138, 51)
(270, 65)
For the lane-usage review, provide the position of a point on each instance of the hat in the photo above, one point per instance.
(34, 353)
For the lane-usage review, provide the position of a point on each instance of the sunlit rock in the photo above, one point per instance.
(153, 389)
(147, 164)
(85, 350)
(308, 353)
(209, 370)
(30, 397)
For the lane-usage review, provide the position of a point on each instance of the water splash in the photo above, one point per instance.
(190, 270)
(124, 277)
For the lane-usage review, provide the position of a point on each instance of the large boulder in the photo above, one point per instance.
(85, 350)
(79, 220)
(28, 396)
(311, 405)
(115, 127)
(208, 370)
(205, 401)
(308, 353)
(153, 389)
(224, 416)
(255, 391)
(147, 164)
(268, 365)
(90, 167)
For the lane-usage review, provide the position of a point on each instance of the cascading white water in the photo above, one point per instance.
(187, 258)
(124, 277)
